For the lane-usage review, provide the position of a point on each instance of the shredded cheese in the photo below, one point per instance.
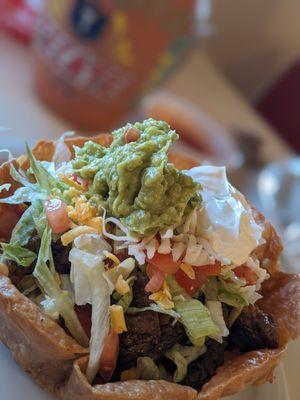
(122, 286)
(69, 181)
(111, 256)
(96, 223)
(82, 211)
(71, 235)
(188, 270)
(117, 319)
(163, 298)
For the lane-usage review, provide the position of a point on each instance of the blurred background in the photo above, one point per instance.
(224, 73)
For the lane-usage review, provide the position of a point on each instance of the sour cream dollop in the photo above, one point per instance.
(226, 219)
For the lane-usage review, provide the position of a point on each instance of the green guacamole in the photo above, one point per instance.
(134, 180)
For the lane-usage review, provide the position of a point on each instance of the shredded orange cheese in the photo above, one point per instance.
(163, 298)
(122, 286)
(71, 235)
(95, 222)
(69, 181)
(117, 319)
(82, 211)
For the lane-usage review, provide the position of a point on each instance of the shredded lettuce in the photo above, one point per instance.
(210, 288)
(24, 228)
(216, 312)
(5, 186)
(232, 294)
(22, 195)
(125, 300)
(43, 177)
(15, 250)
(148, 370)
(182, 356)
(19, 176)
(156, 308)
(27, 285)
(91, 287)
(124, 268)
(20, 255)
(194, 315)
(39, 216)
(51, 289)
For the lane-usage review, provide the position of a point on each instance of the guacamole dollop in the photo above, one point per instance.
(135, 181)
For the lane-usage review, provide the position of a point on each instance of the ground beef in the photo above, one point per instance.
(202, 369)
(140, 296)
(61, 257)
(148, 334)
(253, 330)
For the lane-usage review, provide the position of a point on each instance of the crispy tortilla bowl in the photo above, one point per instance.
(57, 363)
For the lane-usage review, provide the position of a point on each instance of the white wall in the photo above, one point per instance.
(254, 40)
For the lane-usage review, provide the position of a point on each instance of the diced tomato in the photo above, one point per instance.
(84, 314)
(246, 273)
(57, 215)
(109, 356)
(156, 279)
(165, 263)
(201, 273)
(210, 269)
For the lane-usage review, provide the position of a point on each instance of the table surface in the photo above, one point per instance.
(199, 81)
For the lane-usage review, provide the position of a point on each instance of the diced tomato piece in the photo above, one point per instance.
(190, 285)
(57, 215)
(201, 273)
(156, 279)
(165, 263)
(109, 356)
(246, 273)
(210, 269)
(84, 314)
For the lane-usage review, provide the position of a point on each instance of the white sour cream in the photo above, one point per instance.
(225, 220)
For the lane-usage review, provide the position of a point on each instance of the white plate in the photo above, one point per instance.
(15, 384)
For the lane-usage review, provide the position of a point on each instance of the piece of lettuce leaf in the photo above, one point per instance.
(52, 290)
(125, 300)
(43, 177)
(194, 316)
(39, 216)
(15, 250)
(182, 356)
(22, 195)
(24, 228)
(231, 294)
(87, 270)
(154, 307)
(148, 369)
(20, 255)
(5, 186)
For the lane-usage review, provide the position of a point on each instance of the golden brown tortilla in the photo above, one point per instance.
(57, 363)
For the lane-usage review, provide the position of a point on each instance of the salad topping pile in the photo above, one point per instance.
(124, 211)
